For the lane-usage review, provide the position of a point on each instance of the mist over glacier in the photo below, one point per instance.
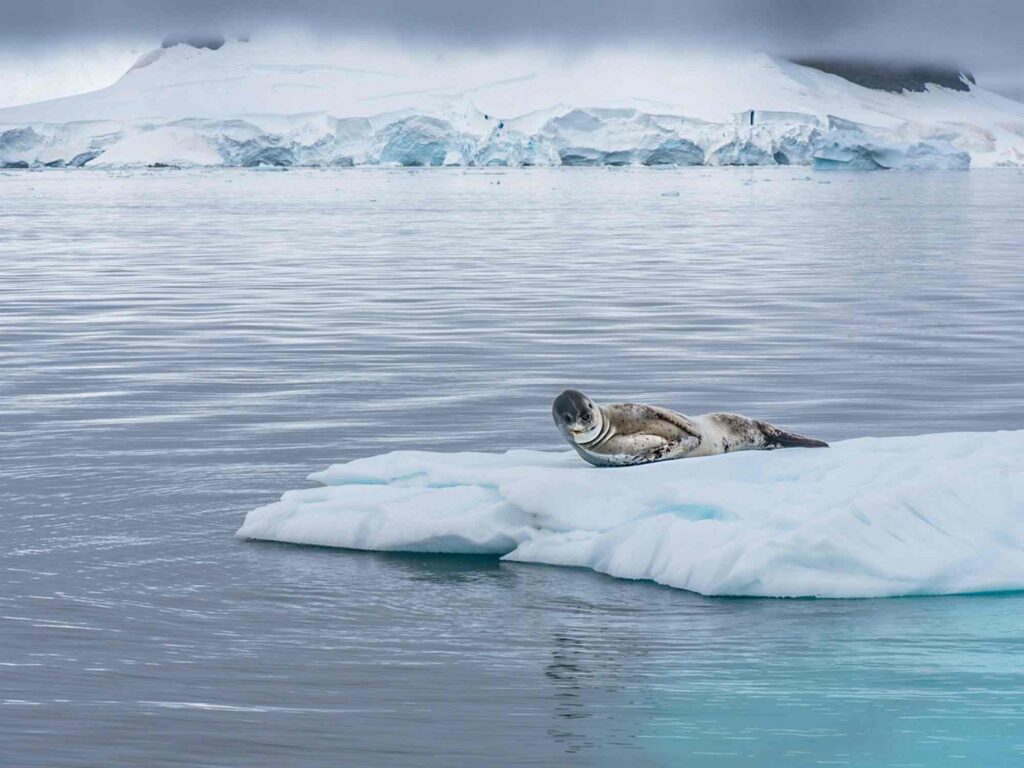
(980, 35)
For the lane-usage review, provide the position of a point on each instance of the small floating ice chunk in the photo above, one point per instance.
(932, 514)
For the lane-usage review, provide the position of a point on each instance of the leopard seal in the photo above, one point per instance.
(623, 434)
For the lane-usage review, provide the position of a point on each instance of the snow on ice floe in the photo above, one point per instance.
(872, 517)
(250, 104)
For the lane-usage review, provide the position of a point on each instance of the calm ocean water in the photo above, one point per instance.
(177, 348)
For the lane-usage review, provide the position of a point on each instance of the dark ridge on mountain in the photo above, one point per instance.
(887, 76)
(213, 42)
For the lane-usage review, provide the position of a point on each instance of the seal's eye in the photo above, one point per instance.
(568, 418)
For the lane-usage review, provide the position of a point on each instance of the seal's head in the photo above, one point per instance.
(576, 416)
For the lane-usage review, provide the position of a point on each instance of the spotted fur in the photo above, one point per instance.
(623, 434)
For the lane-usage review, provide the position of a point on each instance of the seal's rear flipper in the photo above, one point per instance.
(777, 438)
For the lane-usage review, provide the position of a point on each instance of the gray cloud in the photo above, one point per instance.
(982, 35)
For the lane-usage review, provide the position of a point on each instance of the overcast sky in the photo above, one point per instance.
(983, 35)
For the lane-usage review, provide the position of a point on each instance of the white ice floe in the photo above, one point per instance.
(934, 514)
(283, 103)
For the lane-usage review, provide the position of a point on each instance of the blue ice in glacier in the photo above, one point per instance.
(932, 514)
(422, 141)
(852, 146)
(575, 137)
(626, 137)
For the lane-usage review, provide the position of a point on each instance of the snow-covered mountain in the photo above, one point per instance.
(289, 103)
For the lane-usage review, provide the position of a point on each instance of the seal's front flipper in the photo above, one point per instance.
(675, 449)
(778, 438)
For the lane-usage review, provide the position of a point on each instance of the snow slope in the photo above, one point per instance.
(933, 514)
(360, 103)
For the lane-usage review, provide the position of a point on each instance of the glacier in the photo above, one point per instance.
(870, 517)
(280, 104)
(580, 137)
(852, 146)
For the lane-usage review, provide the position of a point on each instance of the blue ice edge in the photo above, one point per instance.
(872, 517)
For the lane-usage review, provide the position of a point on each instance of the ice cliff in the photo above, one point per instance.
(273, 104)
(934, 514)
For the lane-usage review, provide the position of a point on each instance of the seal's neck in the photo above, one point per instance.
(591, 434)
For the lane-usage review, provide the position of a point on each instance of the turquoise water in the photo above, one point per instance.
(177, 348)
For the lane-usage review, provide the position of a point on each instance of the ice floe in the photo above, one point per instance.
(933, 514)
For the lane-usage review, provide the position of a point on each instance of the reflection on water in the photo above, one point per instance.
(178, 348)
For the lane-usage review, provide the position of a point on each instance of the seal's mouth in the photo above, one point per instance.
(585, 432)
